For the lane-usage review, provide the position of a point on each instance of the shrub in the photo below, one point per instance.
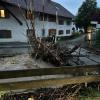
(98, 39)
(98, 36)
(76, 34)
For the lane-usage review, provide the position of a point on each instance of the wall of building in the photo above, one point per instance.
(51, 25)
(19, 31)
(98, 26)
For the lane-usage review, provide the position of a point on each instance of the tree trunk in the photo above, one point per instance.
(85, 30)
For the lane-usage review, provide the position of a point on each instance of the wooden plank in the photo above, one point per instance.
(48, 83)
(76, 70)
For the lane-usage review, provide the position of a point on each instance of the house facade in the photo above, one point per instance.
(96, 19)
(50, 19)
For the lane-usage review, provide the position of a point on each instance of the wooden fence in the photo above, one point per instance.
(37, 78)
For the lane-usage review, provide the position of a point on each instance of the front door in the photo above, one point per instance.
(52, 32)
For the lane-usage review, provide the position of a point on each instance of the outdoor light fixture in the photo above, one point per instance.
(89, 33)
(56, 22)
(89, 36)
(31, 99)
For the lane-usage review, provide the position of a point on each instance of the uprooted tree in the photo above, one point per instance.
(83, 18)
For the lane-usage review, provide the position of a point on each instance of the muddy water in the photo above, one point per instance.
(11, 51)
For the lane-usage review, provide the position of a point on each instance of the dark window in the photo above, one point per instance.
(5, 34)
(67, 31)
(3, 13)
(52, 18)
(94, 25)
(29, 14)
(68, 22)
(43, 17)
(30, 32)
(61, 22)
(61, 32)
(43, 32)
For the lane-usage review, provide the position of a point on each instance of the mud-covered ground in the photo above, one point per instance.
(23, 61)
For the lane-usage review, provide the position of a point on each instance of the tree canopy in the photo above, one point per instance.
(85, 12)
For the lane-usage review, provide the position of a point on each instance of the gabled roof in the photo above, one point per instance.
(49, 8)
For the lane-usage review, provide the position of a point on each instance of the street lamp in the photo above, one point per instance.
(89, 36)
(56, 23)
(30, 98)
(43, 31)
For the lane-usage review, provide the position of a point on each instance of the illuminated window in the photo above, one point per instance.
(29, 14)
(2, 13)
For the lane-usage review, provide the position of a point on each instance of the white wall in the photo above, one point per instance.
(96, 23)
(19, 31)
(98, 26)
(51, 25)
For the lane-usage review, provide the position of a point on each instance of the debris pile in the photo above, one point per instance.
(17, 62)
(54, 53)
(69, 92)
(49, 51)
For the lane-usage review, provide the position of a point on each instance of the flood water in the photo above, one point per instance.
(13, 51)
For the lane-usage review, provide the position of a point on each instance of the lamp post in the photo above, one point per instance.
(89, 36)
(56, 23)
(31, 98)
(43, 31)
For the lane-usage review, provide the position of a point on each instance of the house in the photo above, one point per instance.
(96, 19)
(50, 19)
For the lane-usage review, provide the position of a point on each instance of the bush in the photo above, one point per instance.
(98, 36)
(76, 34)
(97, 39)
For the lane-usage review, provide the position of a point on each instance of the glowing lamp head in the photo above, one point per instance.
(31, 99)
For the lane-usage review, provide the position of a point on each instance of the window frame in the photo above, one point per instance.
(6, 14)
(67, 32)
(60, 33)
(41, 17)
(43, 32)
(52, 32)
(4, 33)
(61, 22)
(52, 18)
(29, 14)
(68, 22)
(29, 31)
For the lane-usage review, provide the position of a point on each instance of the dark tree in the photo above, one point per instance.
(85, 12)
